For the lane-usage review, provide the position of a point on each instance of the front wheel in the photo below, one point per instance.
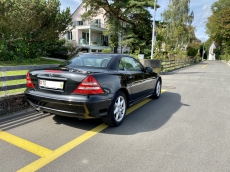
(117, 110)
(157, 92)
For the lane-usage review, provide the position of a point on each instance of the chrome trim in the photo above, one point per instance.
(55, 110)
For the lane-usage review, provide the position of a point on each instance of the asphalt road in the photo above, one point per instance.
(187, 129)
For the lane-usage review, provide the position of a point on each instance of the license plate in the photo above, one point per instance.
(51, 84)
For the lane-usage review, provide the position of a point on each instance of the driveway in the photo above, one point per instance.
(187, 129)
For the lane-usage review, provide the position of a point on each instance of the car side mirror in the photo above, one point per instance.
(148, 69)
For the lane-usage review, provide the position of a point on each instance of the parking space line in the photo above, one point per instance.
(34, 166)
(133, 108)
(25, 144)
(204, 66)
(62, 150)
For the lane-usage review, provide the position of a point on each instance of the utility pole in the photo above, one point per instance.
(153, 34)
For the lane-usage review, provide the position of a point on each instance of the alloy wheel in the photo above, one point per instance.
(158, 88)
(119, 108)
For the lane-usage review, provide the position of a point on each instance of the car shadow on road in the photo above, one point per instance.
(149, 117)
(84, 124)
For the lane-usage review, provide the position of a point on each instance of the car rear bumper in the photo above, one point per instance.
(79, 106)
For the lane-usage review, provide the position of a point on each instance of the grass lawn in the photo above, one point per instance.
(38, 61)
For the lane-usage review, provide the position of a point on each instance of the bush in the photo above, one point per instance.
(18, 50)
(57, 49)
(134, 55)
(107, 50)
(5, 54)
(192, 49)
(23, 50)
(225, 57)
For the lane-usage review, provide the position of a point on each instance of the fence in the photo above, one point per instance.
(5, 78)
(166, 65)
(174, 63)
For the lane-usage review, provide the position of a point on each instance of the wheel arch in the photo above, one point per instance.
(126, 94)
(159, 78)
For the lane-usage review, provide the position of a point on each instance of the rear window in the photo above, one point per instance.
(88, 60)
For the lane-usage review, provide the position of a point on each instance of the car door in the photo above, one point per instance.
(149, 82)
(135, 76)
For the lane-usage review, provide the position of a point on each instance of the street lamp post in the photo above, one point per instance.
(153, 34)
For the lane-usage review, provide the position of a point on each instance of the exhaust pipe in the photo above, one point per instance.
(38, 108)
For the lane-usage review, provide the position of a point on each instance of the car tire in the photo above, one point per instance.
(157, 91)
(117, 110)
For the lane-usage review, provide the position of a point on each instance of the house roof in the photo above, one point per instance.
(77, 8)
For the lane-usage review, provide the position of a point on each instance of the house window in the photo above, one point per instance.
(86, 8)
(69, 36)
(104, 40)
(97, 22)
(85, 36)
(80, 23)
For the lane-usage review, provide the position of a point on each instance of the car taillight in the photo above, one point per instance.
(88, 86)
(28, 81)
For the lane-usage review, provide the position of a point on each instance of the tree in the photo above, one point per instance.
(193, 48)
(178, 19)
(36, 19)
(218, 25)
(129, 19)
(25, 25)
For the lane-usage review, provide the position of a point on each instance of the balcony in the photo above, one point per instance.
(89, 23)
(93, 45)
(83, 42)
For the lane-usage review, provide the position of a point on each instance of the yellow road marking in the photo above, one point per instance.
(205, 66)
(24, 144)
(133, 108)
(72, 144)
(62, 150)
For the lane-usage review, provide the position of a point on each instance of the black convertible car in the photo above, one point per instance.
(92, 86)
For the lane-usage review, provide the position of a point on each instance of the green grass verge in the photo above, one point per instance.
(38, 61)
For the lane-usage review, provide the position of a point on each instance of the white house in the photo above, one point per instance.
(212, 55)
(88, 35)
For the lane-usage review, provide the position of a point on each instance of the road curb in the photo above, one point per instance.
(19, 113)
(13, 104)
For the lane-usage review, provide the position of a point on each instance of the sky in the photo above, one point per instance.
(201, 9)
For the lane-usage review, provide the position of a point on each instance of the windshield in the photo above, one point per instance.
(88, 60)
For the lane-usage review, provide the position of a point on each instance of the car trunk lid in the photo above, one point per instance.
(58, 80)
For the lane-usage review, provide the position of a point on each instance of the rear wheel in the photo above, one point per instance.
(157, 92)
(117, 110)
